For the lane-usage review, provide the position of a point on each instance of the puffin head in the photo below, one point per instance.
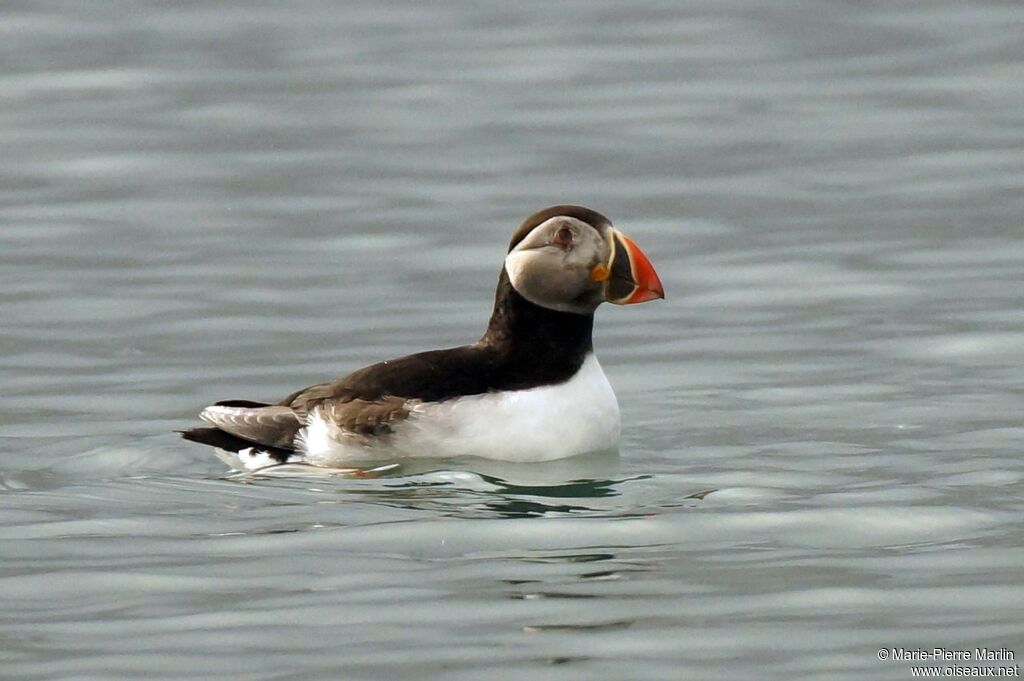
(571, 259)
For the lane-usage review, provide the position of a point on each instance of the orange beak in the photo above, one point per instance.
(631, 276)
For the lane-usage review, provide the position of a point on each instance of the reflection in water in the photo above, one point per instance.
(551, 474)
(510, 507)
(577, 582)
(571, 489)
(471, 487)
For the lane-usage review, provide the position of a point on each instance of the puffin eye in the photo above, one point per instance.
(564, 237)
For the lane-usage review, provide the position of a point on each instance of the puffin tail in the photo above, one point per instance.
(237, 453)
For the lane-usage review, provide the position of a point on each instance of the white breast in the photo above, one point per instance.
(538, 424)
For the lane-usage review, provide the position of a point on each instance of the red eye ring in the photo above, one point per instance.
(564, 237)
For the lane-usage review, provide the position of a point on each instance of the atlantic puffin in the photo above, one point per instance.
(529, 390)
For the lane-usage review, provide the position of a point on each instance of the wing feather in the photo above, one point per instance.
(367, 418)
(274, 426)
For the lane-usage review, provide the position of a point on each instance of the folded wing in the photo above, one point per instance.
(271, 425)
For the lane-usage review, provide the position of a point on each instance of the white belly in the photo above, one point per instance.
(539, 424)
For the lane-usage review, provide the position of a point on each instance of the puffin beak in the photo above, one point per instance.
(629, 275)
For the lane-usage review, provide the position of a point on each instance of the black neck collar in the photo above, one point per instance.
(547, 343)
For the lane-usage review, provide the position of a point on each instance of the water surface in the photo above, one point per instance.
(822, 441)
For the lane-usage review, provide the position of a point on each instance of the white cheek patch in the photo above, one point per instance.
(551, 277)
(515, 265)
(523, 271)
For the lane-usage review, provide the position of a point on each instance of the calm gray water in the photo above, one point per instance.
(823, 423)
